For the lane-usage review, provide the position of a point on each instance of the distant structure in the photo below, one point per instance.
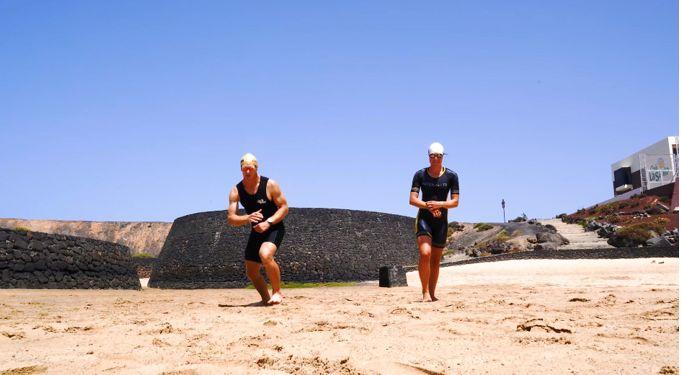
(652, 170)
(321, 244)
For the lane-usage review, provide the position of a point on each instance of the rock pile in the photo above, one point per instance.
(618, 236)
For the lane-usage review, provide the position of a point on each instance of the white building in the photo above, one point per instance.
(654, 167)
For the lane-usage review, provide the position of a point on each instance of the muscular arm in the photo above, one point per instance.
(232, 218)
(279, 200)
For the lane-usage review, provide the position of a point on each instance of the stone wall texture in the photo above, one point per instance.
(35, 260)
(202, 251)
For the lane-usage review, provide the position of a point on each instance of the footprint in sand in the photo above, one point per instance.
(671, 370)
(77, 329)
(13, 335)
(25, 370)
(48, 329)
(539, 323)
(181, 372)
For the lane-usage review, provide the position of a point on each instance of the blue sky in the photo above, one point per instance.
(134, 110)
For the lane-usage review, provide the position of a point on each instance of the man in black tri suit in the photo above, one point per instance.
(265, 207)
(435, 183)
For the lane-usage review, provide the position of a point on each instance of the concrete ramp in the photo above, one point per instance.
(578, 237)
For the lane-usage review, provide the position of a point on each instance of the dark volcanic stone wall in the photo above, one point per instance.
(202, 251)
(39, 260)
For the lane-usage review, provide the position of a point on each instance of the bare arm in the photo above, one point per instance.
(233, 218)
(415, 201)
(451, 203)
(279, 200)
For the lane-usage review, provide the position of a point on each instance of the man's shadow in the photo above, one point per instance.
(252, 304)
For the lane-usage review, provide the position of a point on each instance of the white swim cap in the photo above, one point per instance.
(436, 148)
(249, 159)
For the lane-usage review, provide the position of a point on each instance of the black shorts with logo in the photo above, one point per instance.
(274, 235)
(435, 228)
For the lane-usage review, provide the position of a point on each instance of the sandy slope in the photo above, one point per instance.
(603, 319)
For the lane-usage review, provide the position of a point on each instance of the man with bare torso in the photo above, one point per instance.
(265, 207)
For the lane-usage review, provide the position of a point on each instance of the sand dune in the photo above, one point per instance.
(508, 317)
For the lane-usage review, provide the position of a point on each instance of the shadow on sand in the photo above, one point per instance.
(252, 304)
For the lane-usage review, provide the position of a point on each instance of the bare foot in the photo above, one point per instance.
(276, 299)
(433, 298)
(426, 297)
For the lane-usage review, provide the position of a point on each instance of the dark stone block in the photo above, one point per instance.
(56, 246)
(392, 276)
(36, 245)
(20, 243)
(658, 241)
(40, 265)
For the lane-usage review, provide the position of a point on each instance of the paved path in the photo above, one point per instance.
(578, 237)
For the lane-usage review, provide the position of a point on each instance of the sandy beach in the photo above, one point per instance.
(530, 316)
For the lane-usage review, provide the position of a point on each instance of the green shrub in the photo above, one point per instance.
(22, 229)
(634, 233)
(502, 236)
(642, 232)
(607, 209)
(143, 255)
(481, 227)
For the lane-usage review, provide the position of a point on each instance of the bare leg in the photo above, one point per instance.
(424, 243)
(253, 273)
(435, 256)
(267, 251)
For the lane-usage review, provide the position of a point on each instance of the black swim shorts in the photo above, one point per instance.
(435, 228)
(274, 235)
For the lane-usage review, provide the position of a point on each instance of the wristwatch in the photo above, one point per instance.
(270, 221)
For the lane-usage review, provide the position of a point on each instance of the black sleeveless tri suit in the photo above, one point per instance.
(253, 203)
